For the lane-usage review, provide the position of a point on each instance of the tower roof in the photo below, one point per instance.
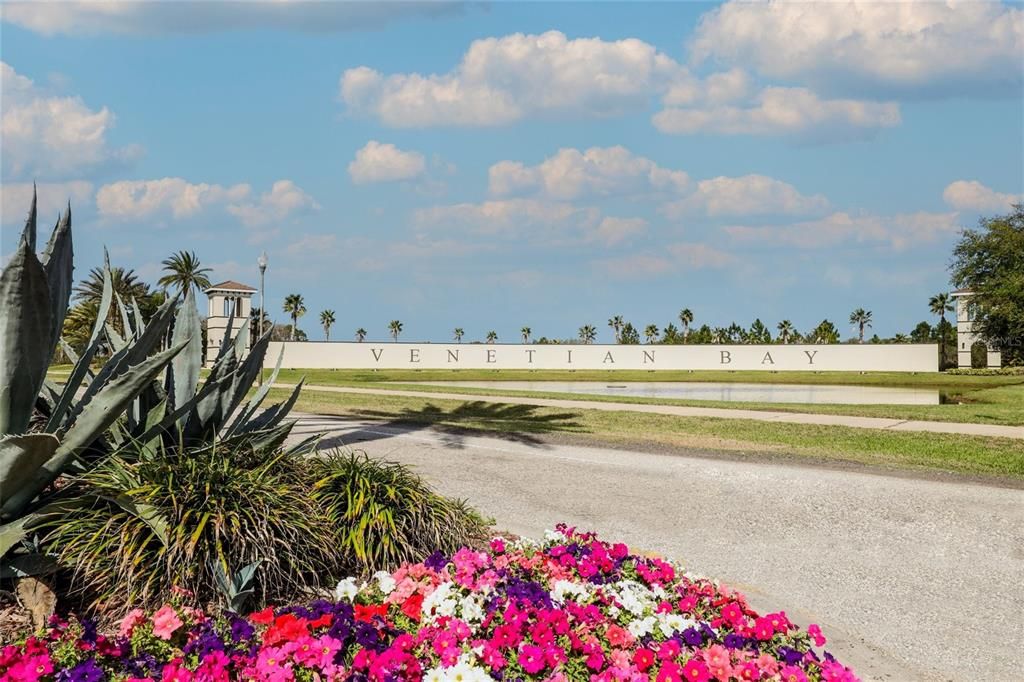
(231, 286)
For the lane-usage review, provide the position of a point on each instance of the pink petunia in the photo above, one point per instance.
(814, 630)
(165, 622)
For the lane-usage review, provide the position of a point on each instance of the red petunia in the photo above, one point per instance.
(264, 617)
(367, 612)
(286, 628)
(413, 607)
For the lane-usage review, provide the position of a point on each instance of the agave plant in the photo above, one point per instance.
(44, 429)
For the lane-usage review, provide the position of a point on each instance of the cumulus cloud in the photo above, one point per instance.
(680, 256)
(381, 162)
(503, 80)
(147, 17)
(598, 171)
(795, 112)
(897, 231)
(509, 217)
(612, 231)
(921, 46)
(181, 199)
(53, 137)
(971, 195)
(53, 197)
(745, 195)
(284, 199)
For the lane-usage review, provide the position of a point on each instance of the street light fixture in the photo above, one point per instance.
(262, 263)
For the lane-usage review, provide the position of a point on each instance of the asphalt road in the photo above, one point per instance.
(910, 579)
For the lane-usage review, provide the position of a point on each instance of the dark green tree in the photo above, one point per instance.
(989, 262)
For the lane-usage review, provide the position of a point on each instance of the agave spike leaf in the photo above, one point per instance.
(81, 368)
(275, 413)
(246, 373)
(21, 456)
(242, 339)
(28, 235)
(146, 513)
(184, 375)
(140, 324)
(26, 327)
(271, 438)
(50, 394)
(170, 419)
(132, 354)
(97, 415)
(126, 323)
(17, 530)
(117, 342)
(257, 399)
(226, 343)
(58, 262)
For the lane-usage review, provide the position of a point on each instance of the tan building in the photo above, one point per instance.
(229, 303)
(965, 335)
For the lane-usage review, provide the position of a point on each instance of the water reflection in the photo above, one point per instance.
(724, 391)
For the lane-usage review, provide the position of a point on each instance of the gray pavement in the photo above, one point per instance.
(996, 430)
(910, 579)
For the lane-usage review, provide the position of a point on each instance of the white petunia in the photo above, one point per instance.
(641, 627)
(346, 590)
(385, 582)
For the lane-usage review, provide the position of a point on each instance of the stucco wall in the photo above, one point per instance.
(845, 357)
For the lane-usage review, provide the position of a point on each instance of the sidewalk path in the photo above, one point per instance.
(912, 580)
(993, 430)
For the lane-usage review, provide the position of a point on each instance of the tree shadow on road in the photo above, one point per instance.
(515, 423)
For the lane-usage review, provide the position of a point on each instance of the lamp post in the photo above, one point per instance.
(262, 262)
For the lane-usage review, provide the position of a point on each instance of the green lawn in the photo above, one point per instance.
(977, 399)
(963, 455)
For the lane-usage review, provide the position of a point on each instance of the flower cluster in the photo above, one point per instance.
(570, 608)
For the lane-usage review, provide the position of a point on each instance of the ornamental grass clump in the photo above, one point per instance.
(385, 514)
(138, 527)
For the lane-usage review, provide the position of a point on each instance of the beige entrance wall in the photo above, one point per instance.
(839, 357)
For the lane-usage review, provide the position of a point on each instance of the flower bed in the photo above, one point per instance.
(571, 608)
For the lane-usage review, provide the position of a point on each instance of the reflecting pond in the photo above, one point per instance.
(722, 391)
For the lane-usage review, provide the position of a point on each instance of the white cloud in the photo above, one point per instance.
(779, 111)
(135, 199)
(598, 171)
(502, 80)
(897, 231)
(971, 195)
(53, 137)
(508, 217)
(869, 46)
(745, 195)
(612, 231)
(379, 162)
(677, 257)
(284, 199)
(132, 17)
(53, 197)
(132, 199)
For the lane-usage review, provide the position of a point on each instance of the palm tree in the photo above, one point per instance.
(900, 338)
(939, 304)
(651, 333)
(394, 328)
(616, 323)
(295, 306)
(458, 334)
(492, 336)
(526, 331)
(89, 293)
(721, 335)
(861, 318)
(686, 317)
(360, 334)
(326, 320)
(184, 272)
(786, 331)
(588, 333)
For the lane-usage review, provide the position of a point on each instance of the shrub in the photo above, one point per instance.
(133, 530)
(1014, 371)
(385, 514)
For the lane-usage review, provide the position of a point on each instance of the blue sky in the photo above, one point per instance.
(550, 165)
